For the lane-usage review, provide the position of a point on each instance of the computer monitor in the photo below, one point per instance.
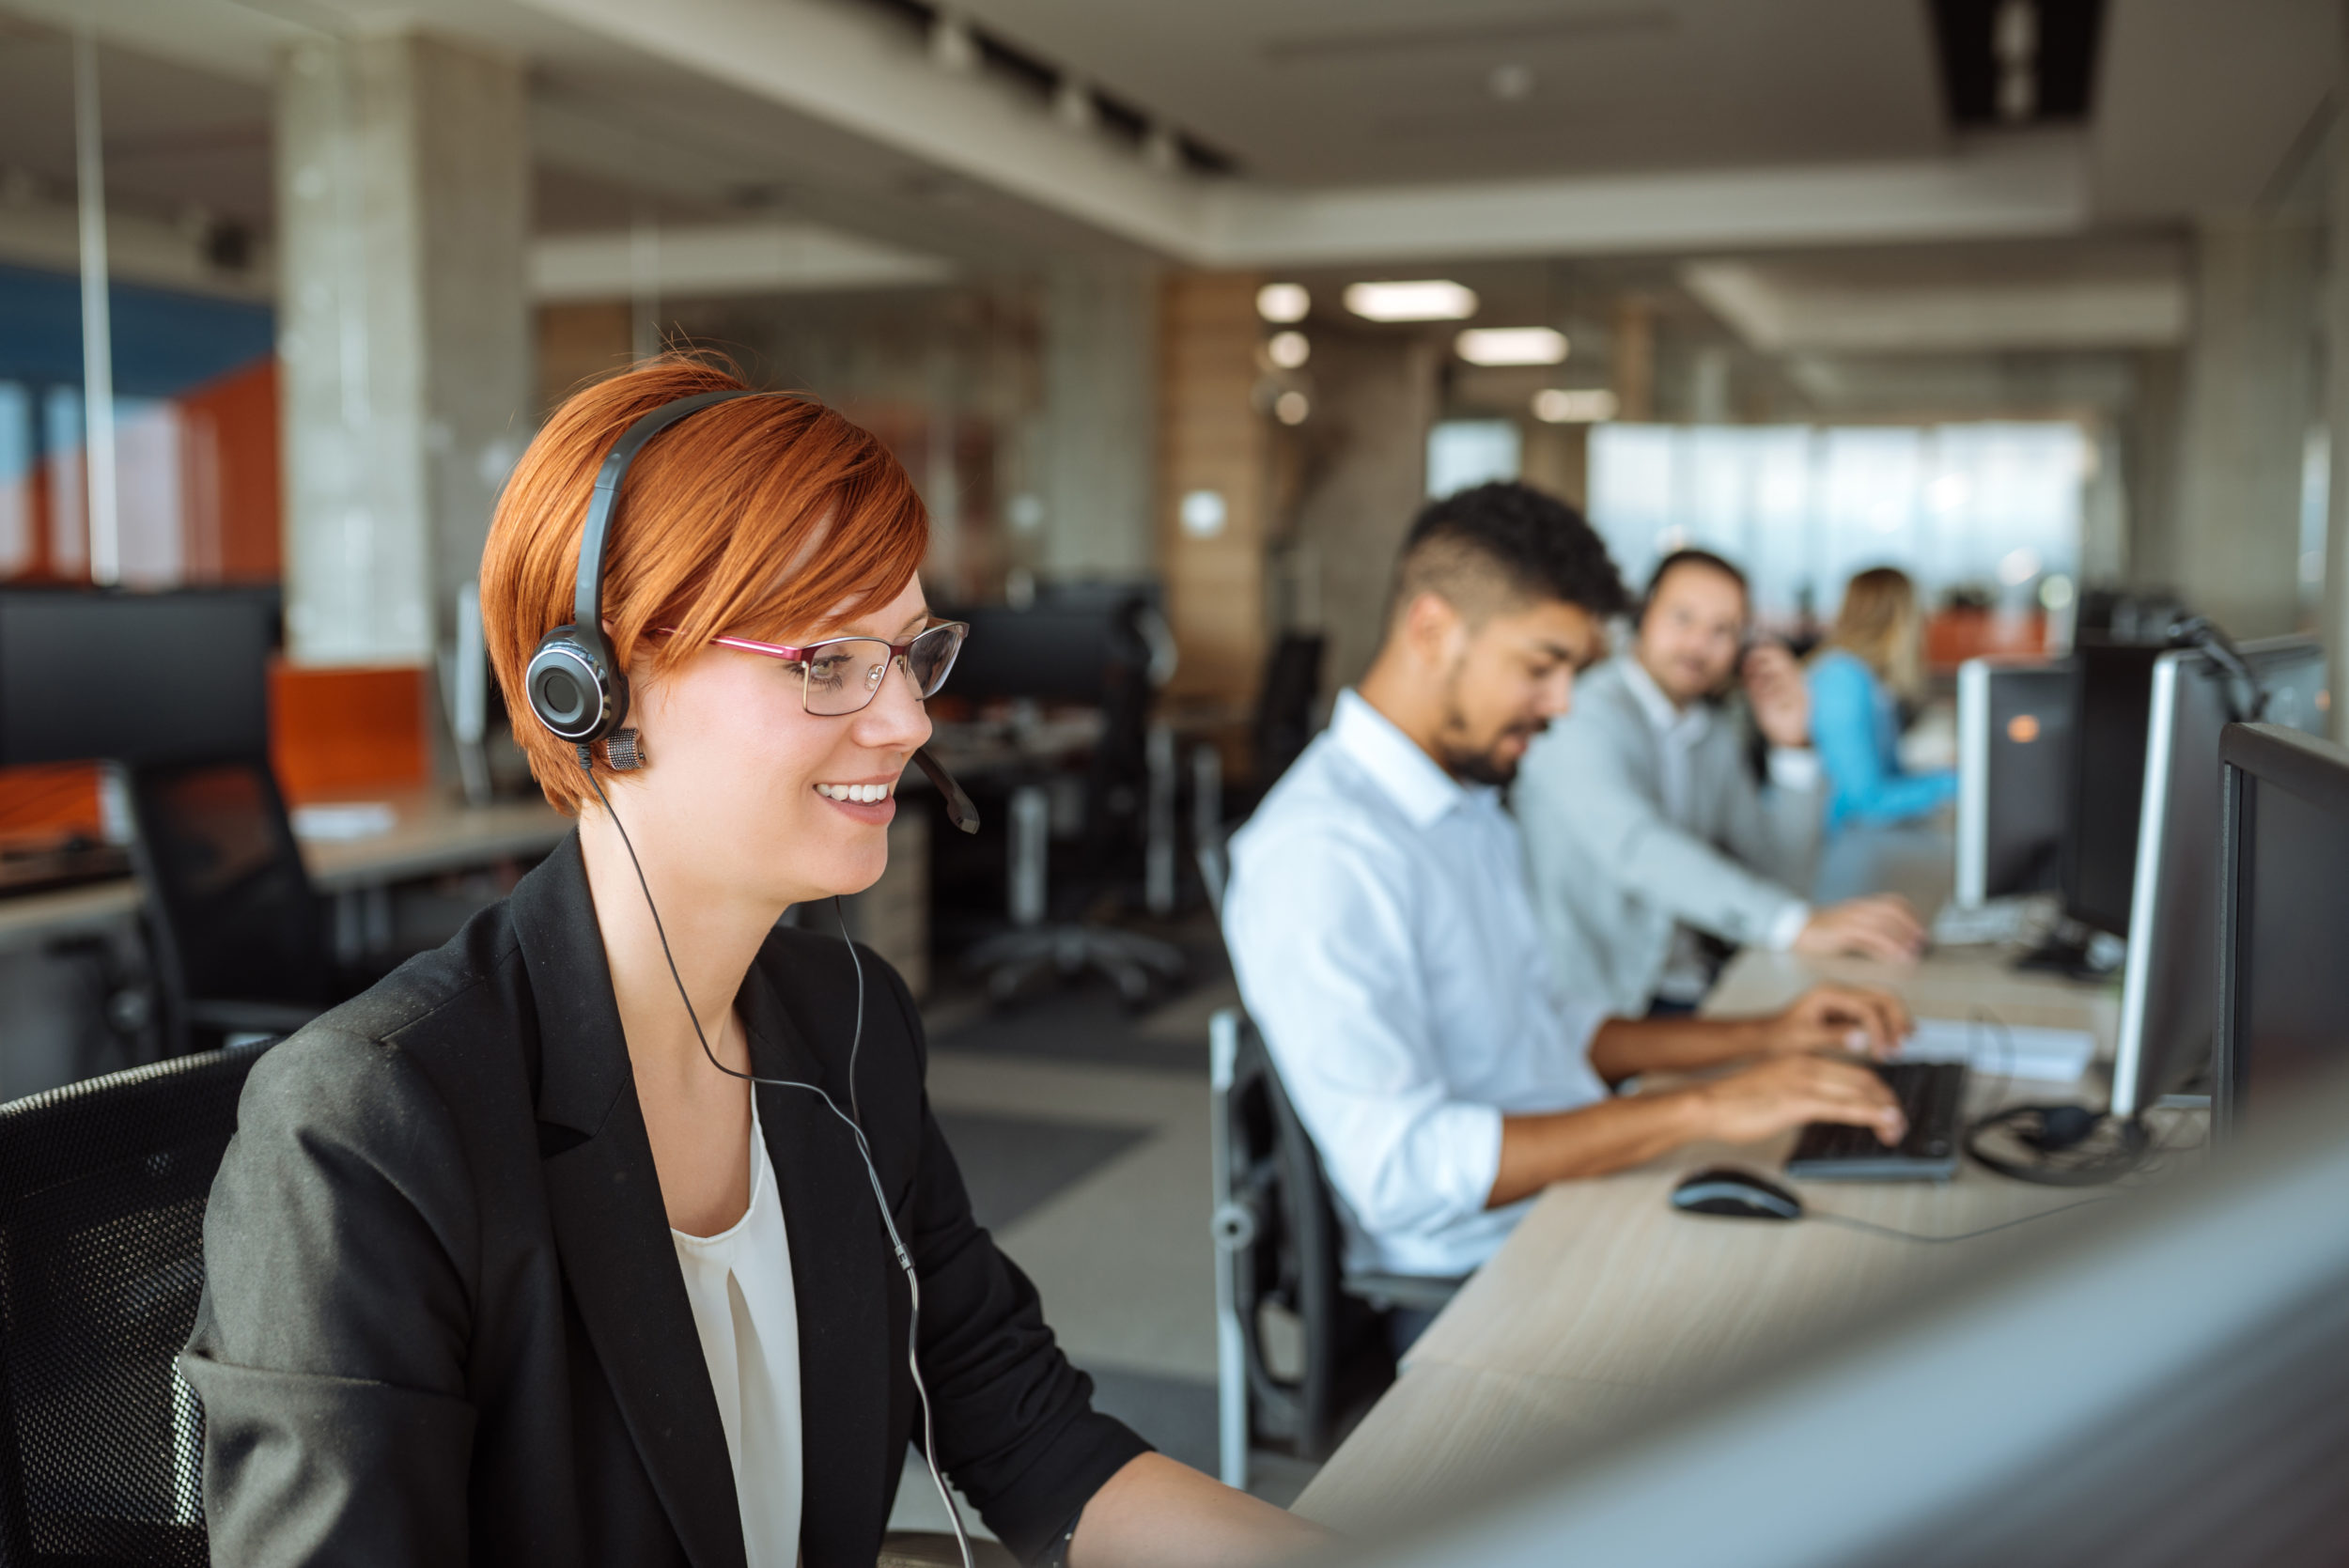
(1053, 651)
(2112, 686)
(2013, 777)
(89, 675)
(2169, 988)
(2283, 905)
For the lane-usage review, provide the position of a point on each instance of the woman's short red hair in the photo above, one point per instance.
(771, 517)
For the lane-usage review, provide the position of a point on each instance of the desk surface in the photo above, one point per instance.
(431, 834)
(1606, 1304)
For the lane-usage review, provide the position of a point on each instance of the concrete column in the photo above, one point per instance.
(1099, 429)
(2334, 627)
(2250, 397)
(1367, 480)
(403, 165)
(2148, 441)
(1631, 358)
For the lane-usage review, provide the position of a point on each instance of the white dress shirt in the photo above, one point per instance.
(1386, 945)
(1688, 972)
(744, 1310)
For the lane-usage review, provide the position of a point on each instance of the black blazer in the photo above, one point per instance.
(444, 1321)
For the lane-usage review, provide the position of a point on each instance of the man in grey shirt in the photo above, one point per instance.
(1647, 832)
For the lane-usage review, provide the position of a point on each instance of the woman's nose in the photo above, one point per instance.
(895, 719)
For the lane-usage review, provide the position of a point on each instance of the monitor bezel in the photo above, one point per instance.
(2252, 756)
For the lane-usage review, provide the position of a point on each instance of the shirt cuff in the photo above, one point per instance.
(1787, 928)
(1794, 767)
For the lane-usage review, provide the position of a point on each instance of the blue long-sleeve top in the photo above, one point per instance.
(1855, 730)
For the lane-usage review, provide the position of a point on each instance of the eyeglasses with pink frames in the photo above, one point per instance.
(841, 676)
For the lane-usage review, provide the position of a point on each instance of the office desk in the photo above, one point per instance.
(1606, 1304)
(432, 834)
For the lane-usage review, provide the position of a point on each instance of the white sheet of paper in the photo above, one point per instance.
(344, 820)
(2009, 1050)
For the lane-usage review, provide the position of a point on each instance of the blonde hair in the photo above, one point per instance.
(1879, 625)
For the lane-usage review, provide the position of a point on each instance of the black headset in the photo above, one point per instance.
(575, 687)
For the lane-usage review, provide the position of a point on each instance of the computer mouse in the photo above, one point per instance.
(1736, 1194)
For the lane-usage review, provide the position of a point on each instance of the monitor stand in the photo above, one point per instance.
(2076, 951)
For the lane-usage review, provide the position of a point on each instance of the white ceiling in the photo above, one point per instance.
(1368, 133)
(1313, 92)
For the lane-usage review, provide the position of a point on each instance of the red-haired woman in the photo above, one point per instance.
(511, 1260)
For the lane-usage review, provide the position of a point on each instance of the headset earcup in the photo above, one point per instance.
(573, 688)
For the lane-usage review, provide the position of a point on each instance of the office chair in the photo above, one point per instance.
(102, 1188)
(1278, 1244)
(1283, 728)
(1103, 647)
(238, 938)
(1284, 708)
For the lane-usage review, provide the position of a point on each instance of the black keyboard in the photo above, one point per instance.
(1931, 1092)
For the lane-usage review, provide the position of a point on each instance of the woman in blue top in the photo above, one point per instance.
(1872, 658)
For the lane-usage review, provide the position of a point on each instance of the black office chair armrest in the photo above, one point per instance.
(1426, 1293)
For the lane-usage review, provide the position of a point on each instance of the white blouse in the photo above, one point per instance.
(739, 1284)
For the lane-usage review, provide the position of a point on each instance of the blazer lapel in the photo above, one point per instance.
(844, 1280)
(610, 1229)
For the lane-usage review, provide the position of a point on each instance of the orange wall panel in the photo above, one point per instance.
(233, 421)
(347, 732)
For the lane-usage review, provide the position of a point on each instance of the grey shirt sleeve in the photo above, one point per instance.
(1585, 789)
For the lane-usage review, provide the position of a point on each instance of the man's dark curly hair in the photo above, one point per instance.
(1500, 546)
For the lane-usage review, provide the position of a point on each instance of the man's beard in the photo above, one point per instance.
(1488, 766)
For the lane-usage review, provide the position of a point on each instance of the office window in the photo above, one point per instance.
(1466, 452)
(69, 481)
(1987, 511)
(16, 478)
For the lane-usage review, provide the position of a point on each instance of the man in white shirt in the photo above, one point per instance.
(1378, 920)
(1645, 830)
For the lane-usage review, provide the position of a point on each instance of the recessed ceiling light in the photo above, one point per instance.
(1510, 345)
(1291, 407)
(1284, 301)
(1511, 82)
(1289, 349)
(1557, 405)
(1423, 300)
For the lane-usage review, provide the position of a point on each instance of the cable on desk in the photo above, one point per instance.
(2060, 1145)
(1872, 1228)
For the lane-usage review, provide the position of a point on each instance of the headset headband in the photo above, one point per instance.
(588, 601)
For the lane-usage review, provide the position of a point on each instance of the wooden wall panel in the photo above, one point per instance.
(1213, 438)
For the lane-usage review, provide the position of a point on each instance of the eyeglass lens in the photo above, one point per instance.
(843, 676)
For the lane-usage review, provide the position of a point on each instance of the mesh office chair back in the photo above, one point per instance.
(1277, 1224)
(231, 914)
(102, 1188)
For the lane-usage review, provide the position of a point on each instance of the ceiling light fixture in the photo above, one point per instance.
(1289, 351)
(1073, 106)
(1283, 302)
(1422, 299)
(1512, 82)
(952, 47)
(1162, 149)
(1511, 346)
(1291, 407)
(2014, 41)
(1557, 405)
